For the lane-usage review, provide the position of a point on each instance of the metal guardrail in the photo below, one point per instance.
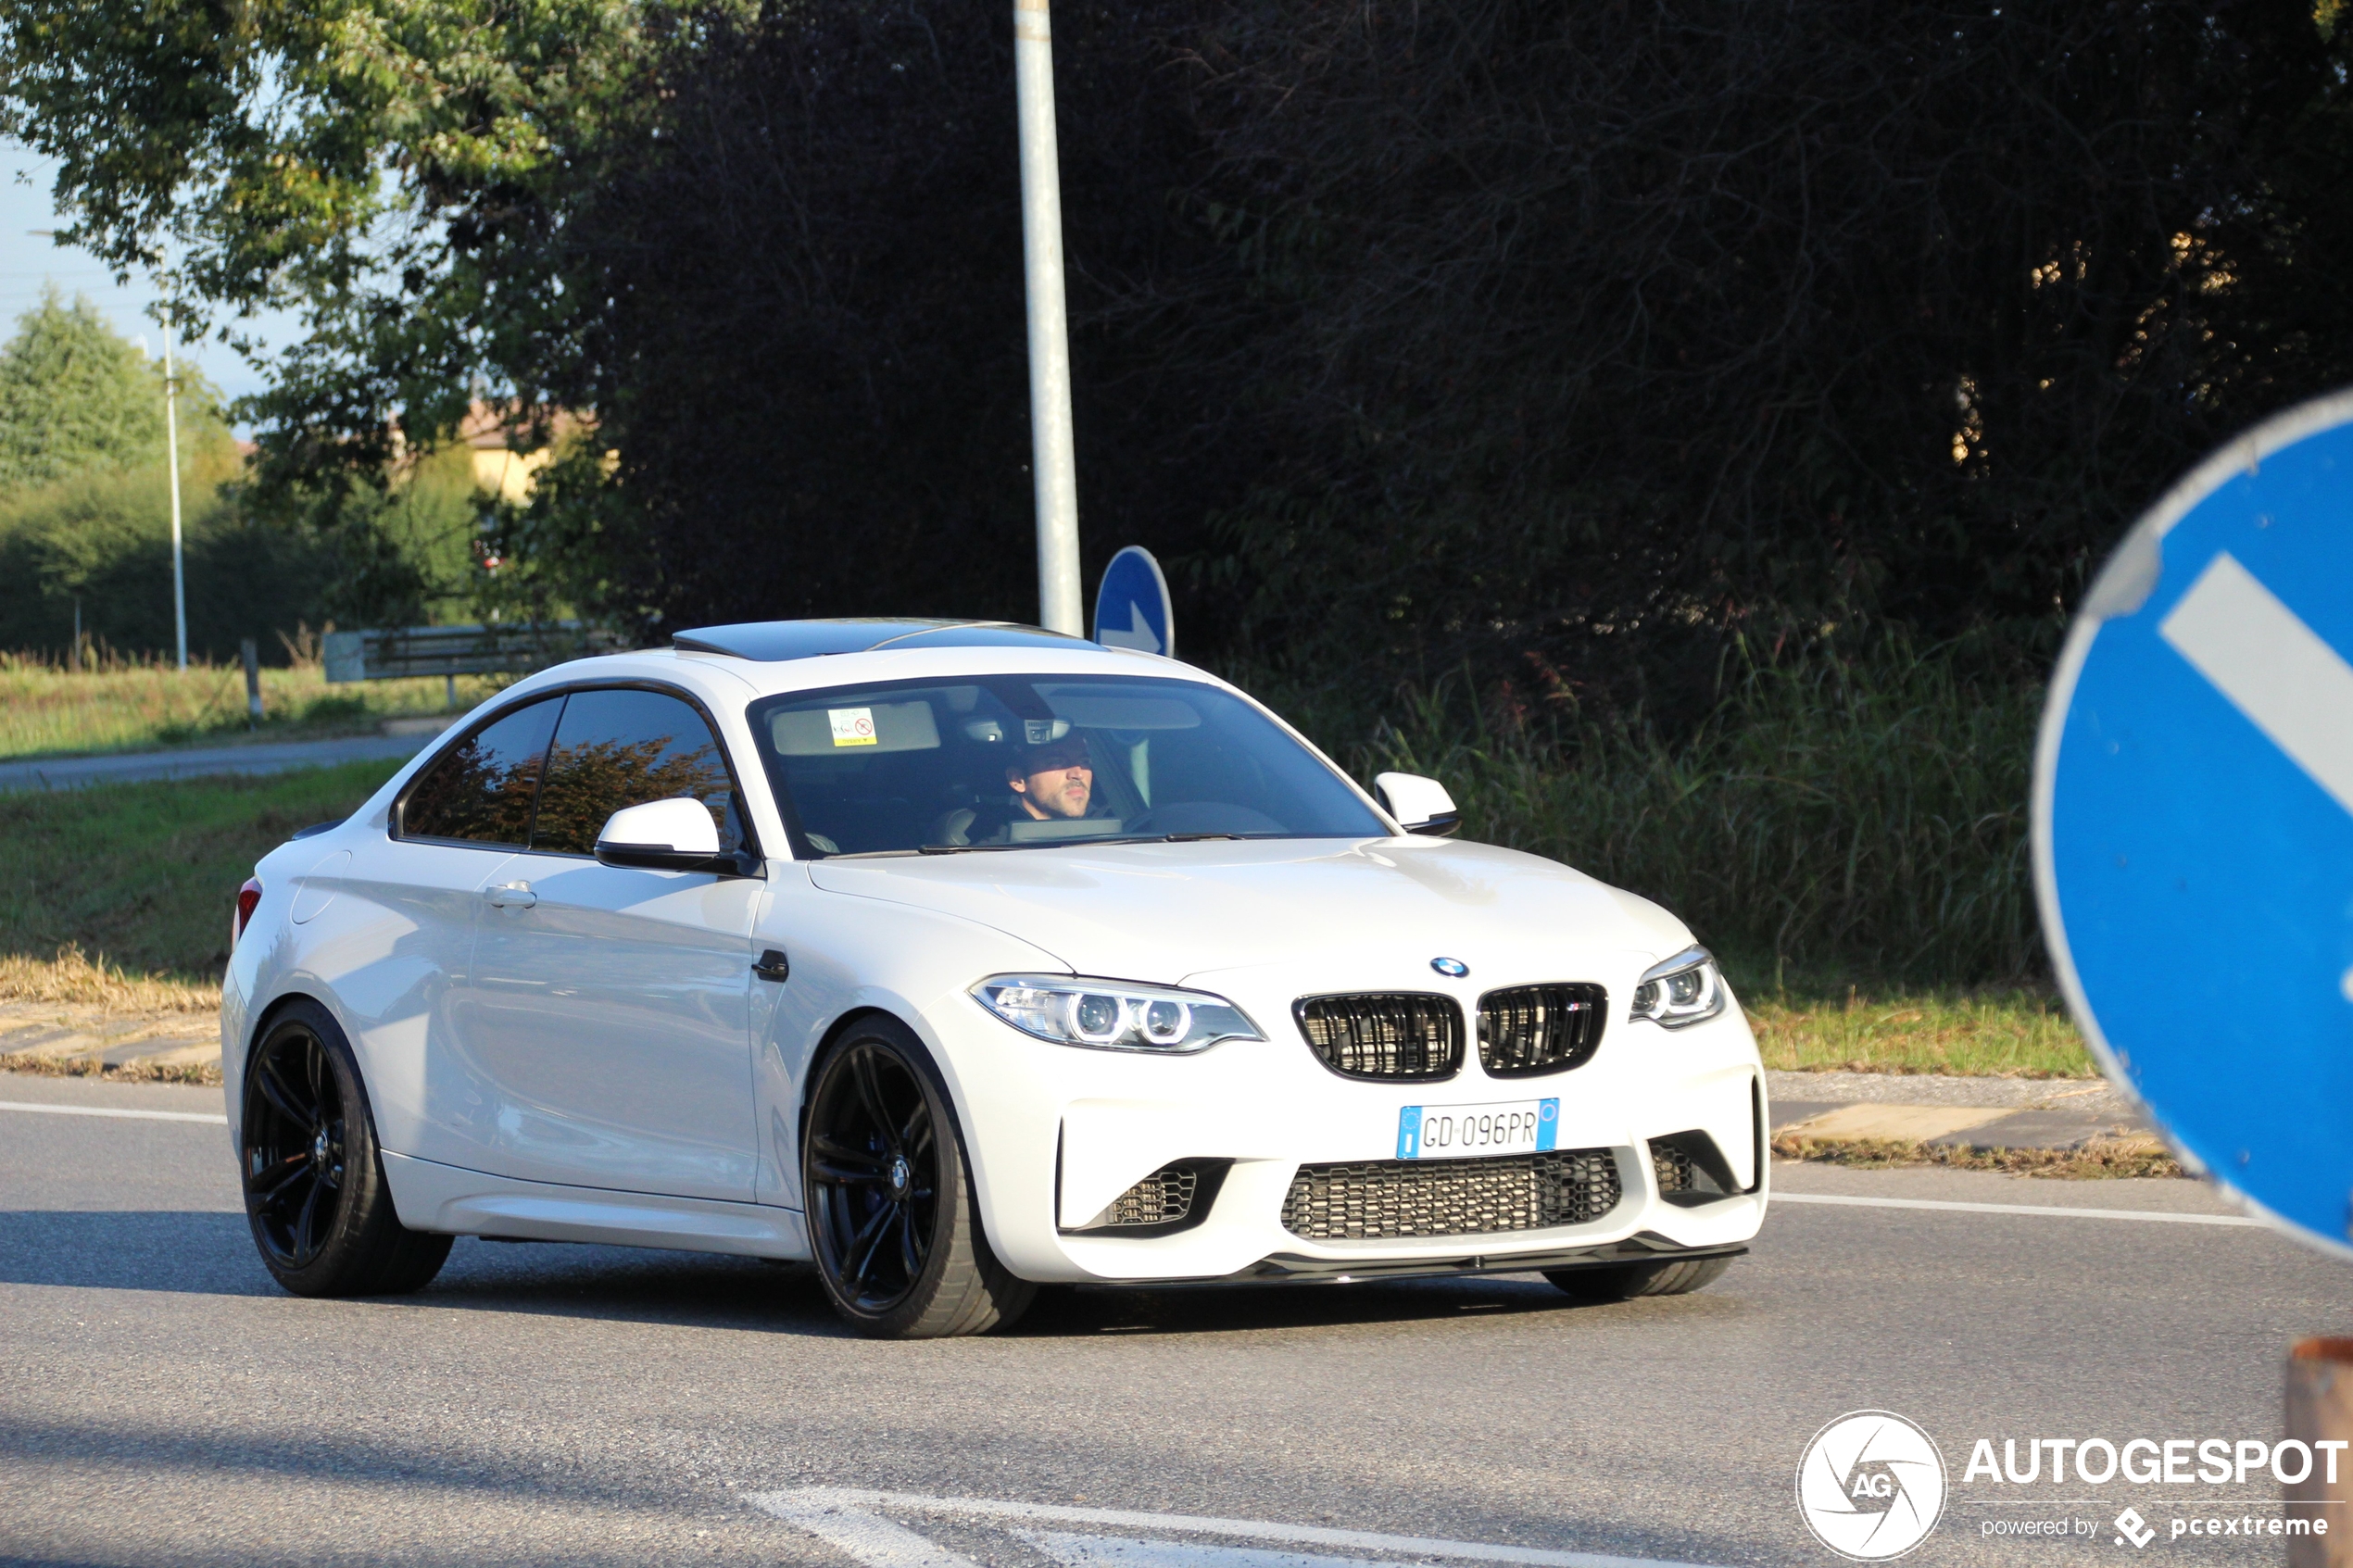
(394, 653)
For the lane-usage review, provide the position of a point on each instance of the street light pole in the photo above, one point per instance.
(1052, 448)
(171, 444)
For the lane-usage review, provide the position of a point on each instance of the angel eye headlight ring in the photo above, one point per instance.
(1113, 1015)
(1684, 990)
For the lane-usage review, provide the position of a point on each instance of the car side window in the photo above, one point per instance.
(624, 747)
(480, 792)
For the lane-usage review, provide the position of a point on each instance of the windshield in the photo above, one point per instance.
(1023, 762)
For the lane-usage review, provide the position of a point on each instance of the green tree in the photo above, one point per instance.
(86, 515)
(74, 394)
(1575, 339)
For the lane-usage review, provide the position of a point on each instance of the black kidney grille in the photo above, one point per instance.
(1385, 1199)
(1407, 1036)
(1533, 1029)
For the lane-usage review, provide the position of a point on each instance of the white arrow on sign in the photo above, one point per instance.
(2274, 669)
(1138, 635)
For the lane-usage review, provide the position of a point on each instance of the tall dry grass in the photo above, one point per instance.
(1830, 819)
(73, 976)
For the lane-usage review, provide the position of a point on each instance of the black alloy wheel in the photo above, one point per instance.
(891, 1218)
(874, 1153)
(294, 1154)
(321, 1209)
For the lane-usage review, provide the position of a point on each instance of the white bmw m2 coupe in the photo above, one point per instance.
(959, 959)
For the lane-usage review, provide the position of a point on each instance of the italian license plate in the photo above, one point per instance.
(1454, 1131)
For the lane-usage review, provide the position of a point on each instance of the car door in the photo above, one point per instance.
(608, 1005)
(401, 922)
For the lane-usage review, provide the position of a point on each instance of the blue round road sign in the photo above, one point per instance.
(1131, 607)
(2193, 817)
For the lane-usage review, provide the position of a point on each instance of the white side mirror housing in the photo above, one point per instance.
(1419, 805)
(670, 835)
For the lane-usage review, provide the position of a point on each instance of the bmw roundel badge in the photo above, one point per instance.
(1454, 969)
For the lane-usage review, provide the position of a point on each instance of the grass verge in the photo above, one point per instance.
(194, 1074)
(44, 711)
(78, 992)
(2103, 1158)
(73, 976)
(141, 877)
(2000, 1033)
(125, 890)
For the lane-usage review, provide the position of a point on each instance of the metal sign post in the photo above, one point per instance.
(171, 452)
(1052, 460)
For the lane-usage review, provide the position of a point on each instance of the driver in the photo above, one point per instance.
(1053, 780)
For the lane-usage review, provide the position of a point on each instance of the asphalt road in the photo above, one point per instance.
(162, 1402)
(262, 756)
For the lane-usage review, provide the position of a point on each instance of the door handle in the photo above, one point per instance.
(514, 896)
(773, 966)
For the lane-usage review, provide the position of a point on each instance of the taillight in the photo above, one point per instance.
(248, 896)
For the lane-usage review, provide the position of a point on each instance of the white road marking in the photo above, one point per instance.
(845, 1502)
(2019, 1209)
(1133, 1551)
(872, 1539)
(2279, 672)
(109, 1110)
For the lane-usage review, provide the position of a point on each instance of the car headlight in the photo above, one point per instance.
(1113, 1015)
(1687, 988)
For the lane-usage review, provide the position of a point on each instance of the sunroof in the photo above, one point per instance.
(768, 642)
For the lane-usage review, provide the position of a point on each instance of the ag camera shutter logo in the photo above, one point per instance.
(1872, 1486)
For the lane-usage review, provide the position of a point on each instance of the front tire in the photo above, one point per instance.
(316, 1196)
(891, 1215)
(1624, 1282)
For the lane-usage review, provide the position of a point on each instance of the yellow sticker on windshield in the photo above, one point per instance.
(852, 726)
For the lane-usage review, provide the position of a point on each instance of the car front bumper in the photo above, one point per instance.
(1056, 1134)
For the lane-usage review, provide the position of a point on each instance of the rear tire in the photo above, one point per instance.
(1624, 1282)
(891, 1215)
(316, 1196)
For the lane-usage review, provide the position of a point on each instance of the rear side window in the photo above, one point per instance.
(617, 748)
(480, 792)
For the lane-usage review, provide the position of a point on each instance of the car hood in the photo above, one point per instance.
(1164, 912)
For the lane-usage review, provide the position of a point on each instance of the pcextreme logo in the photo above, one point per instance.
(1872, 1486)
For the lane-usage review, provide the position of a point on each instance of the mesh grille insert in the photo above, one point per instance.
(1162, 1198)
(1383, 1198)
(1690, 1169)
(1405, 1037)
(1176, 1198)
(1533, 1029)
